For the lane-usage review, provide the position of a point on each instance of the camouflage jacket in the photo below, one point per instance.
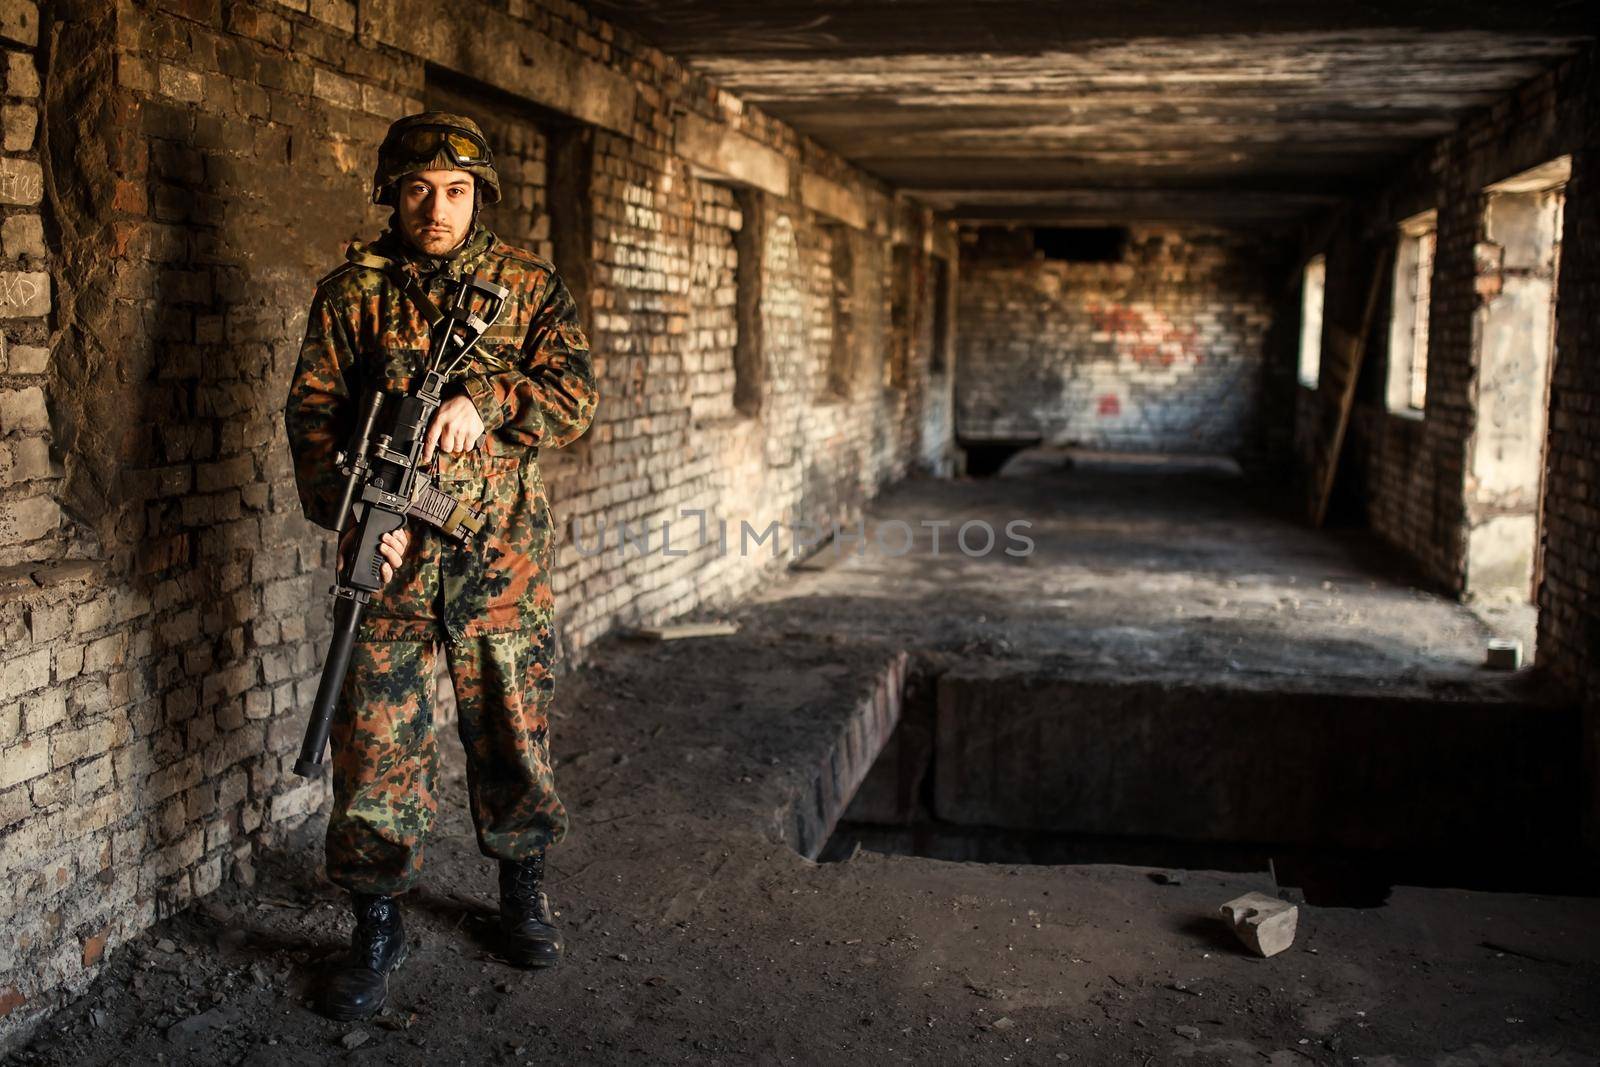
(533, 385)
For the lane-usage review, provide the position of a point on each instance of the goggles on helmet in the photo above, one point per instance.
(422, 143)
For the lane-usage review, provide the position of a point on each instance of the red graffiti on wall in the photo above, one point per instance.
(1110, 406)
(1116, 319)
(1147, 338)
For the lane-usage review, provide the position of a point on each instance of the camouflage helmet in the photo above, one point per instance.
(434, 140)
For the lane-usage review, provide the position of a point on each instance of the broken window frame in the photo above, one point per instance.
(1409, 310)
(1313, 287)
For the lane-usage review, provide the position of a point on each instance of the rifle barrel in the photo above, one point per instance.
(346, 617)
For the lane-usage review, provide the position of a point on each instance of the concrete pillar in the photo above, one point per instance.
(1513, 342)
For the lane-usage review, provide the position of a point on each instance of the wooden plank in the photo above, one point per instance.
(1354, 349)
(682, 630)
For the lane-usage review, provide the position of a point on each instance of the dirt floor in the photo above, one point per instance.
(697, 933)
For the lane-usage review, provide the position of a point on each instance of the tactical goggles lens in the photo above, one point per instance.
(423, 143)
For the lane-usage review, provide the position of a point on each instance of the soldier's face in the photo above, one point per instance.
(436, 209)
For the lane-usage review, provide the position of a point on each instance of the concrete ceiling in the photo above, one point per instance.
(1248, 111)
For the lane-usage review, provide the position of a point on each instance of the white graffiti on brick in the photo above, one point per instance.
(25, 294)
(21, 182)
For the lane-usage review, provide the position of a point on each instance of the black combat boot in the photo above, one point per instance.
(355, 988)
(529, 938)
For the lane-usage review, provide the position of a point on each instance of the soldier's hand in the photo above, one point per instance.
(456, 427)
(392, 547)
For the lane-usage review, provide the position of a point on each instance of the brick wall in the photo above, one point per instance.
(198, 166)
(1412, 472)
(1569, 609)
(28, 510)
(1411, 476)
(713, 327)
(1162, 351)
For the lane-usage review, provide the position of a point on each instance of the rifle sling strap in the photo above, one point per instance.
(408, 284)
(405, 282)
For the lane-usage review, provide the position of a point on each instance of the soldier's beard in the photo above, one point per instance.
(433, 241)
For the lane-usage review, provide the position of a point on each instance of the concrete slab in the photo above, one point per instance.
(1145, 568)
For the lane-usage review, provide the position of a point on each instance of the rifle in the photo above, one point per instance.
(385, 485)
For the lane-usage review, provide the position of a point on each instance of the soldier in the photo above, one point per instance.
(529, 385)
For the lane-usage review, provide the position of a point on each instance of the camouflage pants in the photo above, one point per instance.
(386, 759)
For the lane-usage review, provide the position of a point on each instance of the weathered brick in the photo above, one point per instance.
(225, 474)
(200, 801)
(23, 235)
(29, 359)
(180, 854)
(128, 845)
(15, 805)
(69, 661)
(94, 945)
(180, 83)
(43, 710)
(233, 789)
(46, 622)
(22, 762)
(29, 461)
(85, 742)
(23, 410)
(28, 845)
(19, 21)
(19, 122)
(208, 876)
(105, 653)
(21, 181)
(335, 89)
(24, 294)
(22, 521)
(92, 615)
(22, 77)
(258, 704)
(88, 779)
(93, 817)
(132, 762)
(24, 674)
(295, 802)
(50, 790)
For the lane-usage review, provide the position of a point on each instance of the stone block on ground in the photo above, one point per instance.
(1265, 924)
